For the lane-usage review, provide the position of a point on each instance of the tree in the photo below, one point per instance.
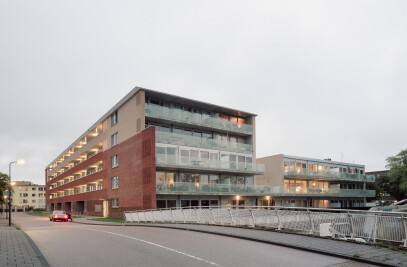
(3, 186)
(398, 174)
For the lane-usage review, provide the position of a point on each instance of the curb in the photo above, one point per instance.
(363, 260)
(37, 251)
(41, 257)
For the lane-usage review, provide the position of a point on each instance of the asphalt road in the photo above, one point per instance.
(72, 244)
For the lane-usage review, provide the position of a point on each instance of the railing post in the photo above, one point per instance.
(213, 216)
(197, 215)
(405, 230)
(138, 218)
(279, 220)
(231, 217)
(145, 218)
(352, 234)
(162, 217)
(375, 229)
(185, 218)
(311, 223)
(152, 215)
(251, 212)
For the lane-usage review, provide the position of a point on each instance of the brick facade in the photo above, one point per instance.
(136, 172)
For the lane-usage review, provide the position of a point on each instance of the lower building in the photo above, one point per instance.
(315, 183)
(27, 195)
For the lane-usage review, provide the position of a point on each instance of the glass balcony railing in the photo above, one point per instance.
(197, 119)
(194, 141)
(256, 190)
(163, 160)
(329, 175)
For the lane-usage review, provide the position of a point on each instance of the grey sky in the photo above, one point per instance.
(325, 77)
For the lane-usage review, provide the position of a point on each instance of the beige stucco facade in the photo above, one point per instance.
(26, 194)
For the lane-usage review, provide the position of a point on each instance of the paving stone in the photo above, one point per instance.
(15, 247)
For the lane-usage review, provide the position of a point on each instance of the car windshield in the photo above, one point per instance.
(58, 212)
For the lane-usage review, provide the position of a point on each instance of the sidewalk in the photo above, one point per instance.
(348, 250)
(16, 248)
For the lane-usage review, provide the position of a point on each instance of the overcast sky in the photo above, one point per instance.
(324, 77)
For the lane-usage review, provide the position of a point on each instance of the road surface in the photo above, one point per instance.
(73, 244)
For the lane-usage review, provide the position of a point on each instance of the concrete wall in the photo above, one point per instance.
(274, 171)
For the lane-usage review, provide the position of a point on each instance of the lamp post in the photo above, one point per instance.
(20, 161)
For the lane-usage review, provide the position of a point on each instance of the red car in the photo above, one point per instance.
(59, 215)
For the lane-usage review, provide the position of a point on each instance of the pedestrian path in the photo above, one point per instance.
(349, 250)
(16, 248)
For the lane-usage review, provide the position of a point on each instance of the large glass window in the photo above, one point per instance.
(160, 176)
(249, 180)
(214, 179)
(204, 178)
(171, 203)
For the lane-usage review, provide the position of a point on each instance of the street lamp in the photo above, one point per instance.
(20, 161)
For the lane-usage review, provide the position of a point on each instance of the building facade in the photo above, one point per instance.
(155, 150)
(307, 182)
(26, 194)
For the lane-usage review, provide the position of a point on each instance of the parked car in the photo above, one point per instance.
(59, 215)
(69, 215)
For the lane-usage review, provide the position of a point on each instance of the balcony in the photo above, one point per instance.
(191, 163)
(255, 190)
(194, 141)
(304, 173)
(197, 119)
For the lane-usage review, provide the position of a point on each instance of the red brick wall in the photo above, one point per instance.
(136, 172)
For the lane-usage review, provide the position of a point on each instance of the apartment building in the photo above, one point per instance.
(156, 150)
(307, 182)
(26, 194)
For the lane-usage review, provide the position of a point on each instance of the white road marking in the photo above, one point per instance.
(157, 245)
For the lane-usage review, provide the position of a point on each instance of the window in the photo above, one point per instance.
(41, 189)
(33, 195)
(114, 118)
(115, 202)
(25, 195)
(41, 195)
(115, 161)
(115, 139)
(33, 189)
(115, 182)
(33, 201)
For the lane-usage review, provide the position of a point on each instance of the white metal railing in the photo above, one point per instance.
(371, 226)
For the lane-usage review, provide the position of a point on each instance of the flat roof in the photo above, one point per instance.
(317, 160)
(162, 96)
(323, 160)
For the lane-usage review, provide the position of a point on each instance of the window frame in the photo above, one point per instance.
(115, 161)
(114, 118)
(115, 203)
(115, 182)
(114, 139)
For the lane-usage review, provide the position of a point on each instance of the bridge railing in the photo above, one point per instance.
(370, 226)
